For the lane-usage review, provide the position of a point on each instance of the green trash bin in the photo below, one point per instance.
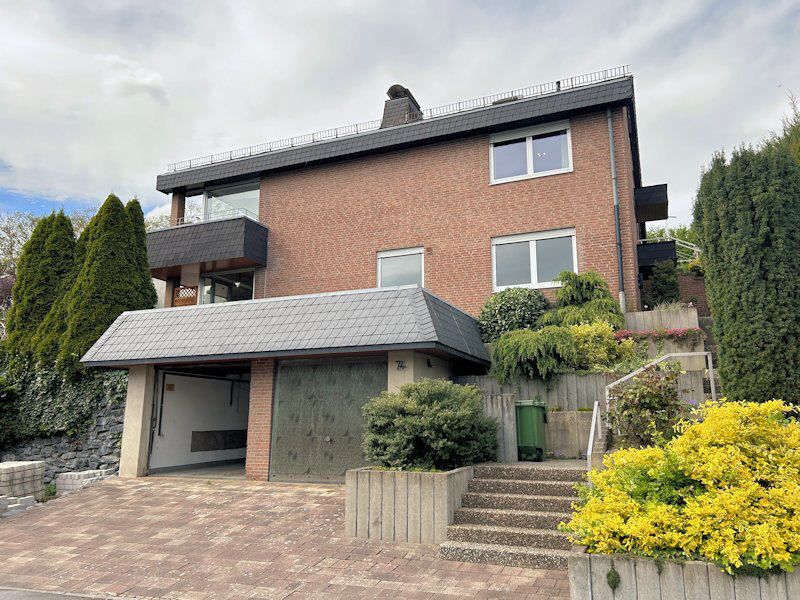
(531, 421)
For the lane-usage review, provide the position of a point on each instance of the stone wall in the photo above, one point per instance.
(97, 447)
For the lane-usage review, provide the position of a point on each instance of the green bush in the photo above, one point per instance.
(645, 410)
(597, 347)
(430, 424)
(583, 298)
(511, 309)
(8, 414)
(533, 354)
(747, 215)
(664, 283)
(144, 284)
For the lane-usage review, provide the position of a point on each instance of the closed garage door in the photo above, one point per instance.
(317, 421)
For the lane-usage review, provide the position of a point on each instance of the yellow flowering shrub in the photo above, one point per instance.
(598, 348)
(726, 490)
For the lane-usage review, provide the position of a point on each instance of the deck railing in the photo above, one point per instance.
(431, 113)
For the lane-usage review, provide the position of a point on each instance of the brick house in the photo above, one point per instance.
(331, 266)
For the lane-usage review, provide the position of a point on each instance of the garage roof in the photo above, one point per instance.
(406, 317)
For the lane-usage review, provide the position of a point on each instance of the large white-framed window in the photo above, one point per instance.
(533, 260)
(405, 266)
(236, 200)
(532, 152)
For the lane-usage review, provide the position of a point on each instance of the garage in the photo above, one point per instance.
(317, 420)
(199, 424)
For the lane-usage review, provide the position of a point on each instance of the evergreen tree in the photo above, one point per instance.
(47, 341)
(747, 215)
(106, 284)
(147, 292)
(44, 269)
(664, 283)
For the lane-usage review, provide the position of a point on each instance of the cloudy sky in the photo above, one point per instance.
(99, 96)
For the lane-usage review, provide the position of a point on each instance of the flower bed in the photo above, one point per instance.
(688, 335)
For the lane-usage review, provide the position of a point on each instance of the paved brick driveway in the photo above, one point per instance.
(182, 538)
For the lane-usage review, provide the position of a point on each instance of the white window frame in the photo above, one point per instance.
(529, 133)
(533, 237)
(401, 252)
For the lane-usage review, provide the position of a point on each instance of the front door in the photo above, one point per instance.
(317, 420)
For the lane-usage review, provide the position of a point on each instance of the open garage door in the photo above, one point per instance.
(199, 421)
(317, 421)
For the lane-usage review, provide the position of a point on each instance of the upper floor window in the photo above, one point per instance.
(533, 259)
(226, 286)
(239, 200)
(401, 267)
(533, 152)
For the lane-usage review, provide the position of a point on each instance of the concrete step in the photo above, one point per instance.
(512, 556)
(518, 502)
(509, 518)
(530, 488)
(509, 536)
(529, 472)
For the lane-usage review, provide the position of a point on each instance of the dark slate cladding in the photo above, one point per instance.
(649, 254)
(208, 241)
(339, 322)
(492, 118)
(652, 203)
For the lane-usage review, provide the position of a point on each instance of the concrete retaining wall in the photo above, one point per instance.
(504, 409)
(644, 579)
(401, 506)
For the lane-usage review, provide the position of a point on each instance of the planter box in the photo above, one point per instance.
(644, 579)
(401, 506)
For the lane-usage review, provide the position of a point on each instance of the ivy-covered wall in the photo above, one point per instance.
(89, 413)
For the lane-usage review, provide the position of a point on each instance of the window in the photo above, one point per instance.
(522, 154)
(240, 200)
(401, 267)
(228, 286)
(533, 259)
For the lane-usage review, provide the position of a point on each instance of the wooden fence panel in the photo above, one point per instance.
(679, 318)
(503, 408)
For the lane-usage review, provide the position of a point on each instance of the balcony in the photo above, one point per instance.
(650, 252)
(651, 203)
(225, 242)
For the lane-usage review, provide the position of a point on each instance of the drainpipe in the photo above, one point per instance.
(615, 190)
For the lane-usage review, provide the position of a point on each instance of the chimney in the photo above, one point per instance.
(400, 108)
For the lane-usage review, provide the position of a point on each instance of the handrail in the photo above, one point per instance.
(679, 243)
(596, 410)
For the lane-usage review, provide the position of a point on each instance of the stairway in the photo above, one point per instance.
(510, 514)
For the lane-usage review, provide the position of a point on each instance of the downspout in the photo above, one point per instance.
(615, 191)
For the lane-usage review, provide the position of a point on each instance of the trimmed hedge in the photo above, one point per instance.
(748, 218)
(511, 309)
(430, 424)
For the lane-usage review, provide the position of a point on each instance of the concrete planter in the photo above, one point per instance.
(645, 579)
(402, 506)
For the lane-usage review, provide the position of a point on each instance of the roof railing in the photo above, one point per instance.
(430, 113)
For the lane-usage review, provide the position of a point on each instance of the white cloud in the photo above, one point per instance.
(98, 97)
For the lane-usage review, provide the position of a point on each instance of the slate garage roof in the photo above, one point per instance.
(407, 317)
(493, 118)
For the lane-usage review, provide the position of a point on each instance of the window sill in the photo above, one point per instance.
(531, 176)
(531, 286)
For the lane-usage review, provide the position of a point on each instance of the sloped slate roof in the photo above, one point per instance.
(491, 118)
(340, 322)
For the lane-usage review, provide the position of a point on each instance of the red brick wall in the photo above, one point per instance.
(328, 222)
(259, 423)
(693, 288)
